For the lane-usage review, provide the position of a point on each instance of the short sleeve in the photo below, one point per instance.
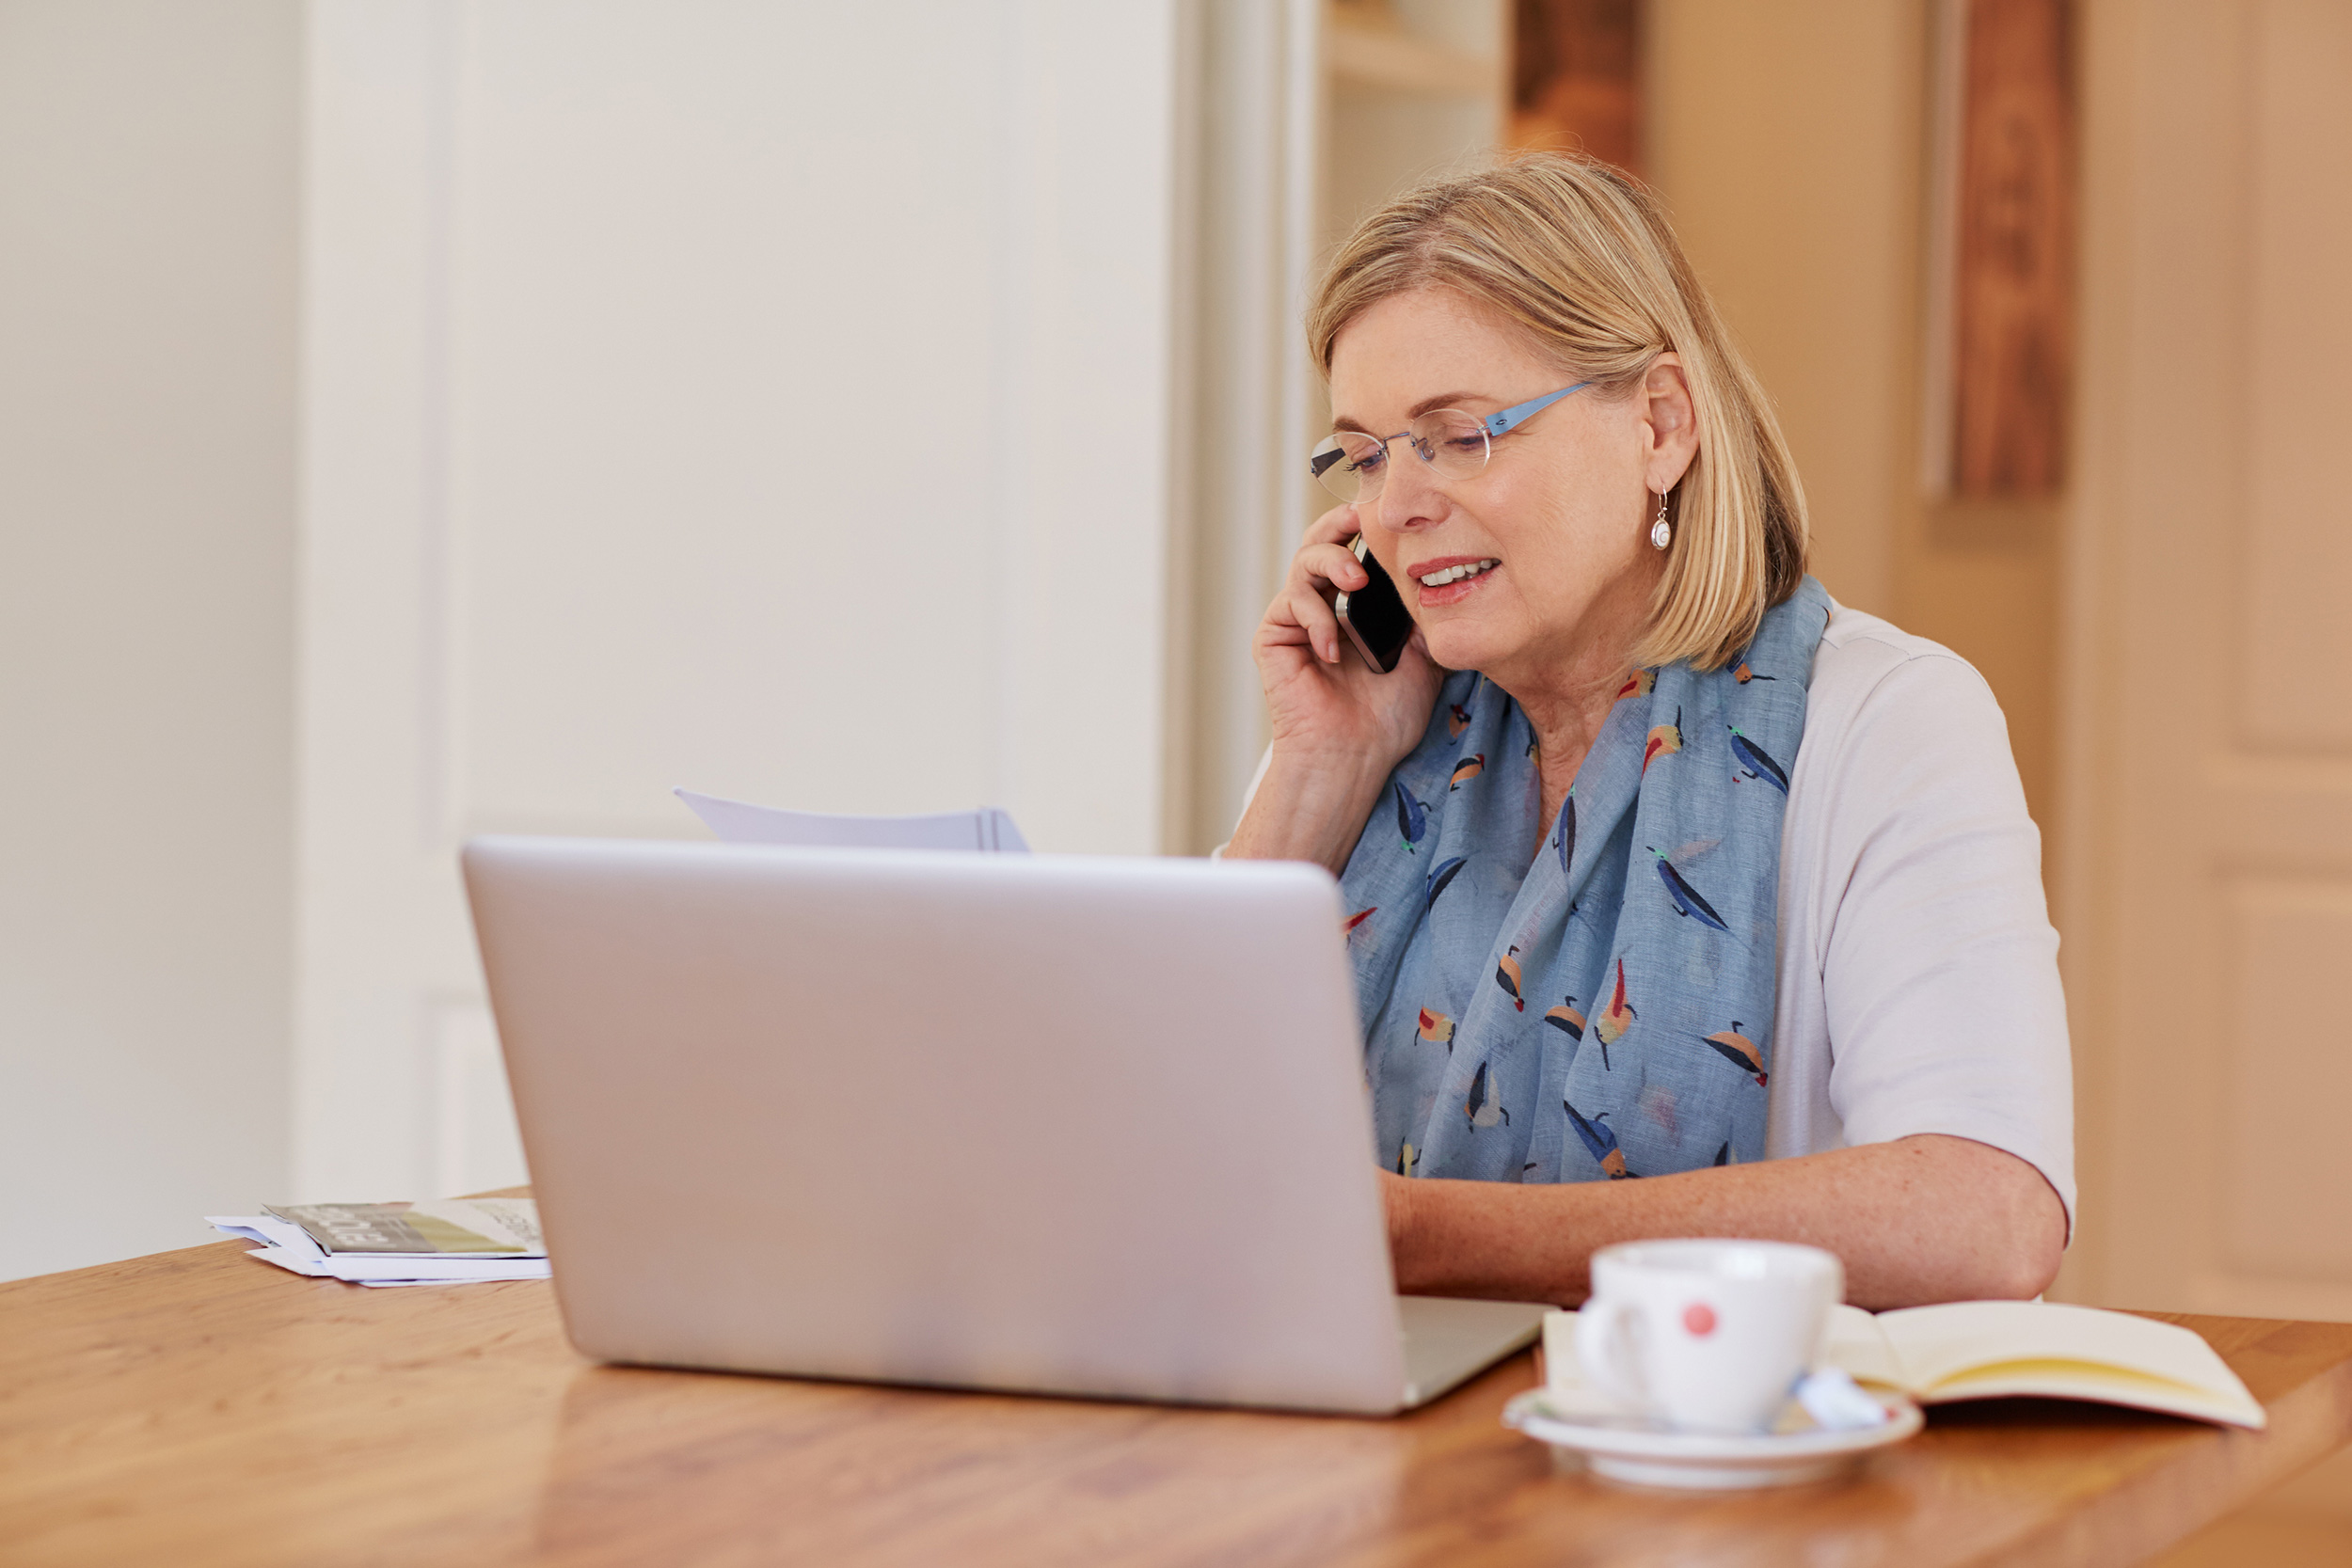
(1939, 965)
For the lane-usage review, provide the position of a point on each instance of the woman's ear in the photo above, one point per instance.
(1668, 421)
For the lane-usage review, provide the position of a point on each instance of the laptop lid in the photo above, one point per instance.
(1064, 1124)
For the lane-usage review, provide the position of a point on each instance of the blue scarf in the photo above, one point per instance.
(1592, 996)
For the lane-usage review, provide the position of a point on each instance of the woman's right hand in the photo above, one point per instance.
(1329, 708)
(1339, 724)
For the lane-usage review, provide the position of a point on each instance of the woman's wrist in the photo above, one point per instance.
(1495, 1240)
(1307, 809)
(1396, 1193)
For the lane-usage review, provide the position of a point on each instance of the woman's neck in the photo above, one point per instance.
(1568, 691)
(1566, 715)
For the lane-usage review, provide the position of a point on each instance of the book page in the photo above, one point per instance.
(1568, 1389)
(1985, 1349)
(738, 822)
(1854, 1343)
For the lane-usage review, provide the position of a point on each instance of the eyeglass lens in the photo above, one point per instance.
(1353, 466)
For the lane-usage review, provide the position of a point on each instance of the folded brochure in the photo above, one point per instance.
(507, 1226)
(1982, 1350)
(988, 828)
(452, 1242)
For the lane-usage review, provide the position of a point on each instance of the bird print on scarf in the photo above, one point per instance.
(1507, 976)
(1601, 1140)
(1615, 1019)
(1461, 879)
(1740, 1051)
(1664, 740)
(1482, 1107)
(1412, 817)
(1568, 1020)
(1686, 897)
(1753, 764)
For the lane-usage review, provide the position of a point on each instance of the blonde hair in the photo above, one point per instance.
(1579, 257)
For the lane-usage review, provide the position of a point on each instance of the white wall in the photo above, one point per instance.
(771, 398)
(148, 153)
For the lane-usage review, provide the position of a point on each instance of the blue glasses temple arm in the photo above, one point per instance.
(1494, 425)
(1498, 423)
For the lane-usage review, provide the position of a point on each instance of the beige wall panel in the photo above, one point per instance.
(1786, 142)
(1381, 140)
(2294, 692)
(2167, 497)
(1791, 144)
(2282, 1153)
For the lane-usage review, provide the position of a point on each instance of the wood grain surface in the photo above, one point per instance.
(199, 1407)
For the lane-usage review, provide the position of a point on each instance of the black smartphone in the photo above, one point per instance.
(1375, 616)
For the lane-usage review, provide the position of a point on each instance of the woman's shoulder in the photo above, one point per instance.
(1860, 652)
(1870, 677)
(1892, 717)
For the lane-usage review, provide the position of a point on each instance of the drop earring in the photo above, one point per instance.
(1661, 533)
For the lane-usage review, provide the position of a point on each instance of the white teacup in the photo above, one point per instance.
(1706, 1334)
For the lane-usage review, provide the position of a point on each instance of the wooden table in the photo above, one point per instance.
(198, 1407)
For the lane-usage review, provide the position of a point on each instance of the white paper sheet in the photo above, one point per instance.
(738, 822)
(268, 1230)
(288, 1247)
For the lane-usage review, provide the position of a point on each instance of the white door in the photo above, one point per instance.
(771, 399)
(2207, 900)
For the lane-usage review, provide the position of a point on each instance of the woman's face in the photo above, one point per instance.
(1562, 508)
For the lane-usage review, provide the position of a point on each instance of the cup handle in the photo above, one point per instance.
(1608, 1358)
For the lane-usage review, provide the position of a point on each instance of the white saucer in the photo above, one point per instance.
(1639, 1452)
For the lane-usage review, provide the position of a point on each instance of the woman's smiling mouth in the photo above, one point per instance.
(1449, 581)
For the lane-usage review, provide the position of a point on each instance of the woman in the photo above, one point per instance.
(1660, 863)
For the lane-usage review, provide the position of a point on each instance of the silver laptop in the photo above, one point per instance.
(1066, 1125)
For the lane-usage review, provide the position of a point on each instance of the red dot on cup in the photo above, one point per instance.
(1699, 1319)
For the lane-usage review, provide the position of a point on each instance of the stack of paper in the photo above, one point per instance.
(450, 1242)
(988, 828)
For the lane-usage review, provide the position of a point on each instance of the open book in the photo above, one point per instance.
(1982, 1350)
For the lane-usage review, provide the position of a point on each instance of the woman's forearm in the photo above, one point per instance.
(1922, 1219)
(1307, 812)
